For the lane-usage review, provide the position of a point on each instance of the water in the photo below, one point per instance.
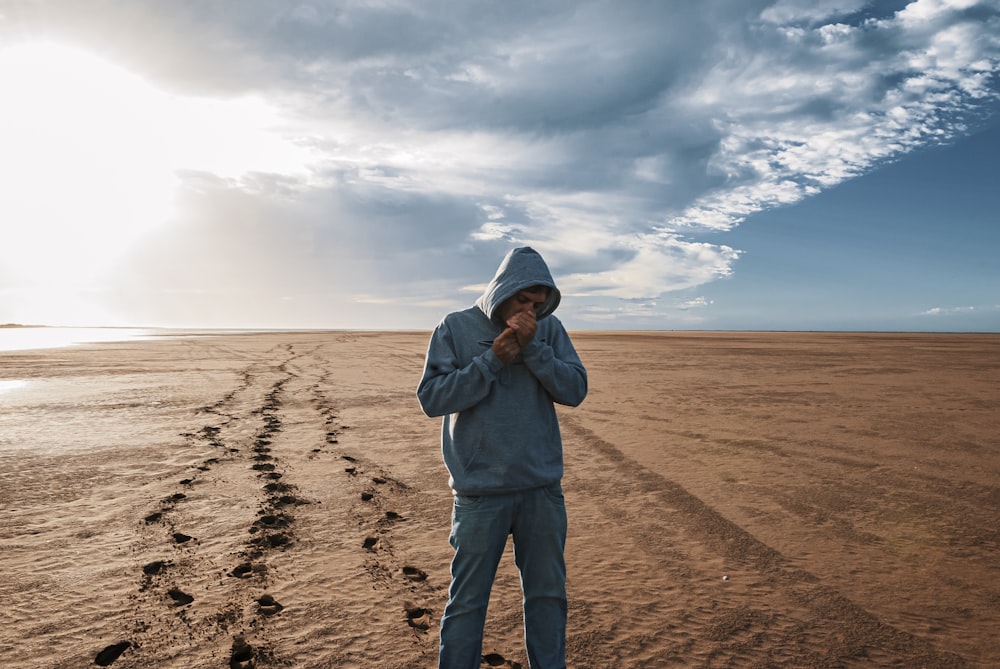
(6, 385)
(23, 339)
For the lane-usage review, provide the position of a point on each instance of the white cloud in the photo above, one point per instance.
(809, 11)
(622, 142)
(951, 311)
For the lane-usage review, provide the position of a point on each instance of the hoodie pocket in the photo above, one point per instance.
(495, 450)
(505, 447)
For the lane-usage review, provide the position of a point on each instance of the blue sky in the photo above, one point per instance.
(909, 246)
(726, 164)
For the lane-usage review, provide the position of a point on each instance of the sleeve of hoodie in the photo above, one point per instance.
(557, 366)
(446, 387)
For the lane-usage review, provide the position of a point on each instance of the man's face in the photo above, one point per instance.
(529, 299)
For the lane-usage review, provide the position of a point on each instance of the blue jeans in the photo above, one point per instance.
(479, 528)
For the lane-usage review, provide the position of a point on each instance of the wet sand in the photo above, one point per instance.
(278, 500)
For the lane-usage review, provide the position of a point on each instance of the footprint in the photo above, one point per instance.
(369, 543)
(392, 515)
(497, 660)
(271, 521)
(181, 538)
(366, 496)
(418, 617)
(241, 656)
(180, 598)
(111, 653)
(155, 567)
(242, 570)
(414, 574)
(268, 606)
(272, 540)
(277, 487)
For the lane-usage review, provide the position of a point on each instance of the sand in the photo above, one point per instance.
(278, 500)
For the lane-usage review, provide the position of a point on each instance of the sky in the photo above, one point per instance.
(711, 165)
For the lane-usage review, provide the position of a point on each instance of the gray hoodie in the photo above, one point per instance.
(500, 433)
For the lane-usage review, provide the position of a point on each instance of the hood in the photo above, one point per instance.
(522, 268)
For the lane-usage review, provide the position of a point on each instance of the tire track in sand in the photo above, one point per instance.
(717, 596)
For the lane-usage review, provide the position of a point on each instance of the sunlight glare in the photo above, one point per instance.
(89, 164)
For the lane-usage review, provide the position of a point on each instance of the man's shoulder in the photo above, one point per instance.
(551, 324)
(472, 312)
(464, 320)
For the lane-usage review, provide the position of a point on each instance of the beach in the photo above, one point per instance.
(279, 500)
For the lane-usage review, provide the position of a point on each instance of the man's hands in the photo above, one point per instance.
(505, 346)
(519, 332)
(524, 325)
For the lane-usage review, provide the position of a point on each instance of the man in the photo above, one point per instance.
(493, 371)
